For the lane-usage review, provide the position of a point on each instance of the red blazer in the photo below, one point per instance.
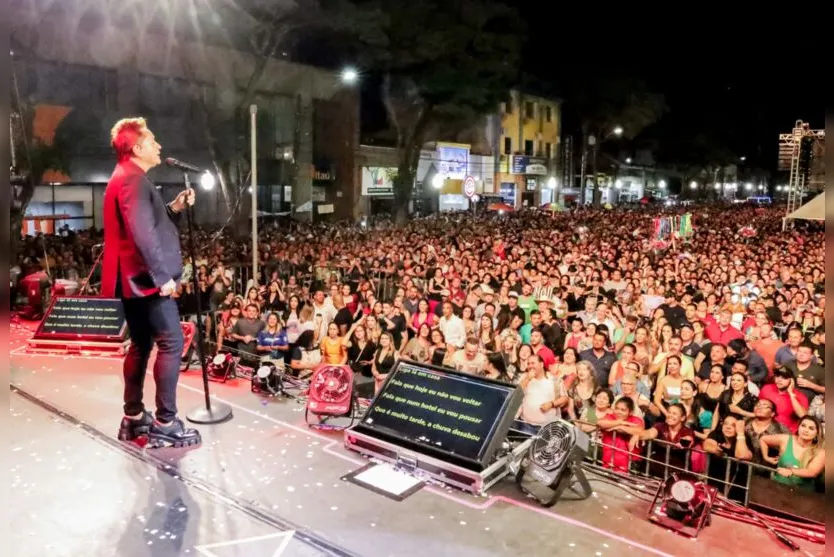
(141, 239)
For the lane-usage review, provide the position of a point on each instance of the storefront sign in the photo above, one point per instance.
(533, 166)
(378, 181)
(469, 187)
(508, 193)
(324, 174)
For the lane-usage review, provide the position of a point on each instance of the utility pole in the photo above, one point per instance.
(583, 164)
(253, 114)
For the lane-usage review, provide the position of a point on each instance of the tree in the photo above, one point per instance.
(697, 154)
(261, 27)
(603, 102)
(441, 61)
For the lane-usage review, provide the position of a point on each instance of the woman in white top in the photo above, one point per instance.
(291, 321)
(668, 389)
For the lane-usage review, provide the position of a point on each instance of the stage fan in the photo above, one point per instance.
(554, 463)
(331, 393)
(269, 379)
(683, 503)
(222, 367)
(36, 289)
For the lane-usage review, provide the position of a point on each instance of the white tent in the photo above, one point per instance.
(813, 210)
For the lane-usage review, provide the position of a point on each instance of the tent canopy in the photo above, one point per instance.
(813, 210)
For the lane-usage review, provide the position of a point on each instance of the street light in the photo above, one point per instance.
(618, 130)
(551, 183)
(693, 185)
(437, 181)
(742, 159)
(207, 181)
(662, 184)
(628, 160)
(349, 75)
(748, 186)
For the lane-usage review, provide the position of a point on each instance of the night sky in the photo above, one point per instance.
(725, 73)
(713, 70)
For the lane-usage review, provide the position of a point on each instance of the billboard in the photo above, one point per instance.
(453, 160)
(378, 181)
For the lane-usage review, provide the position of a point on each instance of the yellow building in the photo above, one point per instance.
(528, 146)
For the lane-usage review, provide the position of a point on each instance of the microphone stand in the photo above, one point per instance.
(213, 412)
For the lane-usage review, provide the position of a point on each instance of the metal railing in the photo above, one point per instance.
(744, 468)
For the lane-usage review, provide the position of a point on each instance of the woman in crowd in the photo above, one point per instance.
(384, 358)
(801, 456)
(565, 370)
(621, 431)
(333, 346)
(418, 348)
(668, 389)
(582, 392)
(272, 340)
(422, 317)
(360, 350)
(675, 441)
(736, 401)
(592, 413)
(727, 441)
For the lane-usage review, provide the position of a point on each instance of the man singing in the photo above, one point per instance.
(142, 263)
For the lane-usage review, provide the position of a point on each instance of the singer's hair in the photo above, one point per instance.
(124, 135)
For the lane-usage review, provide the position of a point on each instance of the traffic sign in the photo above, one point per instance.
(469, 187)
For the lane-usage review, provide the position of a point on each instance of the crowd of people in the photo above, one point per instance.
(712, 344)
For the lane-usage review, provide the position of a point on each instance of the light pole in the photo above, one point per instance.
(349, 75)
(551, 184)
(617, 131)
(253, 114)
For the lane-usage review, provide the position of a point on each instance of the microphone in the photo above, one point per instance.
(182, 165)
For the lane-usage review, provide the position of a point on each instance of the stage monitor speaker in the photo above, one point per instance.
(83, 317)
(453, 417)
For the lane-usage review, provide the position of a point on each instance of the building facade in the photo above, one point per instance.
(81, 76)
(376, 168)
(528, 146)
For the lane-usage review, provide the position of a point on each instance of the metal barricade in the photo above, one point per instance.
(652, 447)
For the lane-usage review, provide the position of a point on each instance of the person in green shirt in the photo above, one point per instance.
(624, 335)
(801, 457)
(527, 328)
(527, 301)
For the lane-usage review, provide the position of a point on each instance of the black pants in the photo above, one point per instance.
(153, 319)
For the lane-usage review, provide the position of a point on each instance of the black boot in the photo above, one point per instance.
(130, 429)
(174, 434)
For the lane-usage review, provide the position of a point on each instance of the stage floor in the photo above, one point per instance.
(264, 484)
